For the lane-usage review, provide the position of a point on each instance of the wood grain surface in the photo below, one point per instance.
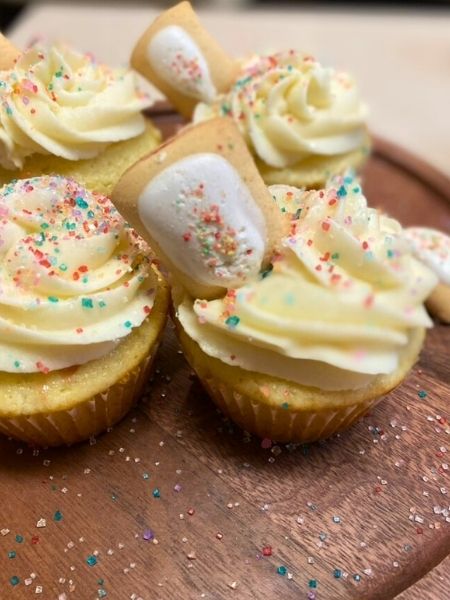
(364, 515)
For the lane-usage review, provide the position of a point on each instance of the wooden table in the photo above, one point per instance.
(178, 503)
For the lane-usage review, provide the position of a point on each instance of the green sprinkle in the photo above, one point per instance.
(17, 365)
(335, 256)
(81, 202)
(156, 493)
(337, 573)
(422, 394)
(102, 593)
(58, 74)
(87, 303)
(342, 191)
(12, 554)
(312, 583)
(390, 253)
(146, 476)
(14, 580)
(102, 304)
(281, 570)
(285, 405)
(91, 560)
(19, 538)
(53, 299)
(58, 516)
(128, 324)
(289, 299)
(62, 267)
(90, 214)
(232, 321)
(100, 581)
(45, 225)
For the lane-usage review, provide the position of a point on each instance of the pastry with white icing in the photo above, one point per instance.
(201, 195)
(180, 58)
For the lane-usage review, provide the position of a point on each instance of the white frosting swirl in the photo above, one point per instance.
(336, 309)
(61, 102)
(289, 107)
(74, 278)
(432, 247)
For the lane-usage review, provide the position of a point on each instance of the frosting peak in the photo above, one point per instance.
(59, 101)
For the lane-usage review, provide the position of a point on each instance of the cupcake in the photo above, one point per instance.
(61, 112)
(82, 310)
(294, 348)
(301, 120)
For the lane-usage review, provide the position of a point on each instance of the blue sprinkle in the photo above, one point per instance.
(342, 191)
(87, 303)
(337, 573)
(81, 202)
(91, 560)
(281, 570)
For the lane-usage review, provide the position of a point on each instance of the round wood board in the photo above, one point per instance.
(363, 515)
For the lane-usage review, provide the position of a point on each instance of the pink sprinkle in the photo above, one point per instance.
(42, 368)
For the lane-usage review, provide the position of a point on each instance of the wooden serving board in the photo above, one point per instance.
(364, 515)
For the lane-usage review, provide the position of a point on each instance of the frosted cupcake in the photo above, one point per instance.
(297, 347)
(301, 120)
(62, 112)
(82, 309)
